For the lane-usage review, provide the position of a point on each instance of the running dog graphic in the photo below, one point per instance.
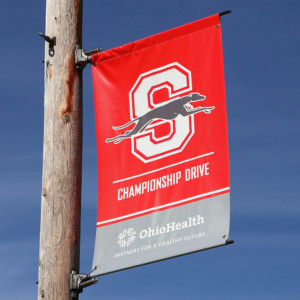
(168, 111)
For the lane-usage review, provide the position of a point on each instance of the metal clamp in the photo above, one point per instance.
(82, 58)
(80, 281)
(51, 41)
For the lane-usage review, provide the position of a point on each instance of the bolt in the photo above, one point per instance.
(67, 118)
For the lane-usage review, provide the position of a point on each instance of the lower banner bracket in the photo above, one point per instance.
(80, 281)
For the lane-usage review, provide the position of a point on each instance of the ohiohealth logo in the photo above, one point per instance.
(126, 237)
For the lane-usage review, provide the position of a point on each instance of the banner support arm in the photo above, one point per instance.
(225, 12)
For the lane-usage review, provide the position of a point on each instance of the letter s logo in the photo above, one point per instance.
(177, 80)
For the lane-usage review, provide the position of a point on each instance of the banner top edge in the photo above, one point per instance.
(157, 38)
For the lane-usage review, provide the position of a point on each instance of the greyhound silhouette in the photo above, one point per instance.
(168, 111)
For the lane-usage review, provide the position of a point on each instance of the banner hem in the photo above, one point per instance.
(228, 242)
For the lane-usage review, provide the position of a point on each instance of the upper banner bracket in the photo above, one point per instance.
(82, 58)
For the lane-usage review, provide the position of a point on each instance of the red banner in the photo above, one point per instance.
(162, 147)
(161, 122)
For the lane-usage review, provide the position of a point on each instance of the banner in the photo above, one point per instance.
(162, 147)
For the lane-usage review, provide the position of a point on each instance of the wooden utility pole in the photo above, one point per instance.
(62, 154)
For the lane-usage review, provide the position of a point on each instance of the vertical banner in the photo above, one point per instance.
(162, 147)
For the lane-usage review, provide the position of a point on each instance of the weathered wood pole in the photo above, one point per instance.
(62, 154)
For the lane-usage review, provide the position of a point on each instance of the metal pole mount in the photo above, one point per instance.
(51, 41)
(82, 58)
(80, 281)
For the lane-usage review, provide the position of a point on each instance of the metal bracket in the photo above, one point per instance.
(80, 281)
(51, 41)
(225, 12)
(82, 58)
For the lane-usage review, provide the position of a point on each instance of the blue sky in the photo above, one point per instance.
(261, 58)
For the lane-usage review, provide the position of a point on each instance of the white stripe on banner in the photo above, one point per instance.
(166, 167)
(163, 206)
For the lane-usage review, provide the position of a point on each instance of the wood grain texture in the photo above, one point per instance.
(62, 153)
